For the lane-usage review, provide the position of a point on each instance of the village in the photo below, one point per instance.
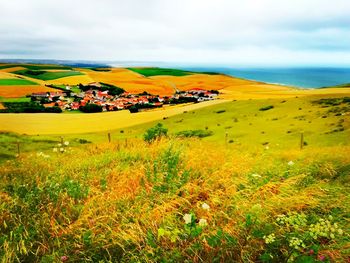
(105, 98)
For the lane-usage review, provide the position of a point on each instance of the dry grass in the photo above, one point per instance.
(121, 214)
(21, 91)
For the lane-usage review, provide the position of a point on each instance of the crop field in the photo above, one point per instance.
(33, 67)
(16, 82)
(47, 75)
(21, 91)
(84, 123)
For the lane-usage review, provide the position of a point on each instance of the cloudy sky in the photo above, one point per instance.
(217, 32)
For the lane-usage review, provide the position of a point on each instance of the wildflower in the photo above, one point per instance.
(59, 144)
(64, 258)
(55, 150)
(202, 222)
(187, 218)
(321, 258)
(66, 143)
(61, 149)
(205, 206)
(290, 163)
(256, 175)
(270, 238)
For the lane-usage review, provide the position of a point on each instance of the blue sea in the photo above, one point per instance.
(298, 77)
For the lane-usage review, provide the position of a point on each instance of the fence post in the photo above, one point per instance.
(109, 137)
(301, 140)
(62, 140)
(18, 150)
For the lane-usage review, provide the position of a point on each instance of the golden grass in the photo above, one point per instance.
(21, 91)
(72, 80)
(12, 69)
(130, 209)
(6, 75)
(83, 123)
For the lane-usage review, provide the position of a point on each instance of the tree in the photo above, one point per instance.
(155, 133)
(89, 108)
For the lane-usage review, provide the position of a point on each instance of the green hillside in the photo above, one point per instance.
(195, 195)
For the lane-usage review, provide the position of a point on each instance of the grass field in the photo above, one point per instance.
(23, 99)
(46, 75)
(260, 176)
(16, 82)
(175, 200)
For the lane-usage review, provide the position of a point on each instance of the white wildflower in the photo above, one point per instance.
(202, 222)
(59, 144)
(187, 218)
(55, 150)
(66, 143)
(205, 206)
(61, 149)
(290, 163)
(256, 175)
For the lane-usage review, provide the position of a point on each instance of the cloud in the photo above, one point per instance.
(183, 31)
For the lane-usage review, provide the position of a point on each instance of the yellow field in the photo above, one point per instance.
(21, 91)
(43, 123)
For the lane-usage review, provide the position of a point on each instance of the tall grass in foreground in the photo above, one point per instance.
(176, 200)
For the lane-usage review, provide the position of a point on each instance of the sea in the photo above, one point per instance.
(296, 77)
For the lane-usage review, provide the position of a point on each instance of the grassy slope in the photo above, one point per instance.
(49, 75)
(127, 201)
(16, 82)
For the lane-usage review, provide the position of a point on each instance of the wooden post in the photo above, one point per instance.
(109, 137)
(18, 150)
(62, 140)
(301, 140)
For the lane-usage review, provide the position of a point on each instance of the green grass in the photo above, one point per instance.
(345, 85)
(245, 124)
(16, 82)
(149, 72)
(22, 99)
(44, 75)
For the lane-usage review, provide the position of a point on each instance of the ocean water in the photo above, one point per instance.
(297, 77)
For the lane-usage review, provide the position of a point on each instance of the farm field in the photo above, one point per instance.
(47, 75)
(15, 82)
(84, 123)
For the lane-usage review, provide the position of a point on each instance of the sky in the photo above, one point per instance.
(198, 32)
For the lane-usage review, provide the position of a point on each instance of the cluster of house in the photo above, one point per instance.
(69, 100)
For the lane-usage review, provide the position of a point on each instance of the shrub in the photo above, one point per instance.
(195, 133)
(155, 133)
(266, 108)
(90, 108)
